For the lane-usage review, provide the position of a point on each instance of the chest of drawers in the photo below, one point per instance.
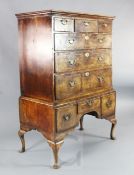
(65, 73)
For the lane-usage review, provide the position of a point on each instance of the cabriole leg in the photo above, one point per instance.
(55, 148)
(21, 135)
(112, 133)
(81, 123)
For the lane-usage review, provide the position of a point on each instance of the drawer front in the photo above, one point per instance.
(82, 41)
(105, 26)
(97, 58)
(71, 61)
(86, 25)
(97, 79)
(99, 41)
(68, 61)
(68, 41)
(63, 24)
(66, 117)
(88, 105)
(108, 104)
(67, 85)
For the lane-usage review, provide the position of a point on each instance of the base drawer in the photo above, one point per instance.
(88, 105)
(108, 104)
(66, 117)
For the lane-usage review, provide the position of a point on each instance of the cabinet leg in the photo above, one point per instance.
(81, 124)
(112, 132)
(55, 148)
(21, 135)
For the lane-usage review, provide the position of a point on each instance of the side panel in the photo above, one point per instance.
(36, 60)
(37, 115)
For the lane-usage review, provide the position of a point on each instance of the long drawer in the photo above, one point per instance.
(72, 61)
(72, 84)
(77, 41)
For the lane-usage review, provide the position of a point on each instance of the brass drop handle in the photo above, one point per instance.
(71, 61)
(86, 23)
(64, 21)
(90, 102)
(71, 41)
(109, 103)
(100, 58)
(101, 40)
(87, 54)
(100, 79)
(67, 117)
(72, 83)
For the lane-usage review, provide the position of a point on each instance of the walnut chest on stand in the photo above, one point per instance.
(65, 73)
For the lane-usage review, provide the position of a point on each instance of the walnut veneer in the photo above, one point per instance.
(65, 73)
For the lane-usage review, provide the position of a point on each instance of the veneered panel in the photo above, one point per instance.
(36, 60)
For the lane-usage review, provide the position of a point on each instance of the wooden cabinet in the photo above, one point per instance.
(65, 73)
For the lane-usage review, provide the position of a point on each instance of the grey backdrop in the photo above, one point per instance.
(112, 160)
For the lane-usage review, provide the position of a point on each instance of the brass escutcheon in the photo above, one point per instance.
(64, 21)
(90, 102)
(67, 117)
(72, 83)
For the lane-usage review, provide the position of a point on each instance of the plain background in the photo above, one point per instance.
(82, 152)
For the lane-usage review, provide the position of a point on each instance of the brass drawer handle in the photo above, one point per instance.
(90, 102)
(87, 54)
(64, 21)
(86, 74)
(67, 117)
(109, 103)
(100, 79)
(71, 62)
(72, 83)
(101, 40)
(71, 41)
(86, 23)
(100, 58)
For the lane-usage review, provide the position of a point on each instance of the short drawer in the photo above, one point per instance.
(63, 24)
(66, 117)
(78, 60)
(100, 79)
(108, 104)
(86, 25)
(105, 26)
(67, 85)
(89, 105)
(82, 41)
